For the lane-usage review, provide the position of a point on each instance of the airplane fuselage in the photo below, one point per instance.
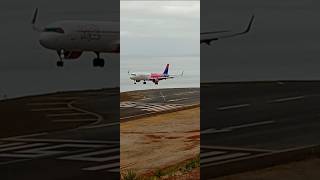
(82, 36)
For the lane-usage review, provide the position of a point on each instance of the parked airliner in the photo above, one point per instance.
(154, 77)
(208, 37)
(71, 38)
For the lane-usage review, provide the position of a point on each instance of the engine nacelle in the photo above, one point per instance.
(72, 54)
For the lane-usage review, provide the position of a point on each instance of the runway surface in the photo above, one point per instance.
(160, 100)
(73, 135)
(245, 119)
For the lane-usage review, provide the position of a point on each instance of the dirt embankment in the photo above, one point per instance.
(155, 143)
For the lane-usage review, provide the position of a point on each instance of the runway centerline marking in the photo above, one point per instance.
(287, 99)
(231, 128)
(233, 107)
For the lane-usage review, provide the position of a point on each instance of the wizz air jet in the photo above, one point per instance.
(154, 77)
(208, 37)
(71, 38)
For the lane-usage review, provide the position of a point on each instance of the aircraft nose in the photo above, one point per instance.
(47, 41)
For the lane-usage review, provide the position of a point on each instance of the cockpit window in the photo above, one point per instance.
(52, 29)
(133, 74)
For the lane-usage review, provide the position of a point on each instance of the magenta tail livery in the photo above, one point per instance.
(71, 38)
(153, 77)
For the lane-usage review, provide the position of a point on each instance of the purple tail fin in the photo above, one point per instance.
(166, 71)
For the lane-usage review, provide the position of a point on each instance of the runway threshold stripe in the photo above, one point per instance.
(233, 107)
(287, 99)
(223, 157)
(103, 167)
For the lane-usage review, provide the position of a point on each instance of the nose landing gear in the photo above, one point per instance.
(60, 53)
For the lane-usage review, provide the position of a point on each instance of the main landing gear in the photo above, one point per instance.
(144, 82)
(98, 62)
(60, 53)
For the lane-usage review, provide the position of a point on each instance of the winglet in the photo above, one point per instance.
(35, 15)
(250, 24)
(34, 20)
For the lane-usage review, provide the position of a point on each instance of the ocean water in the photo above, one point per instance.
(190, 65)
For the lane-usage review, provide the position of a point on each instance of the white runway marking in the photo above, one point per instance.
(50, 109)
(175, 100)
(150, 107)
(66, 114)
(94, 156)
(224, 157)
(74, 120)
(100, 125)
(287, 99)
(47, 103)
(233, 107)
(103, 167)
(231, 128)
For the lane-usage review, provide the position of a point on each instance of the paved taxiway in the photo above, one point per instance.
(244, 119)
(73, 135)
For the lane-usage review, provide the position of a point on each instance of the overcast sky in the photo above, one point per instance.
(284, 43)
(160, 28)
(154, 33)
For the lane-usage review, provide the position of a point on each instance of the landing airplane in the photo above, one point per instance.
(71, 38)
(208, 37)
(154, 77)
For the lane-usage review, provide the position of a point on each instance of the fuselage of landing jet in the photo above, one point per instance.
(71, 38)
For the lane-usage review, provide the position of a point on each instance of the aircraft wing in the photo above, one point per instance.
(216, 35)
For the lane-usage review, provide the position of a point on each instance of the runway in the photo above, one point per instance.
(158, 101)
(240, 120)
(72, 135)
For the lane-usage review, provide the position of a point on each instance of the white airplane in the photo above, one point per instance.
(154, 77)
(208, 37)
(71, 38)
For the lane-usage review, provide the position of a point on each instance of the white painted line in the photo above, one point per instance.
(66, 114)
(74, 120)
(22, 147)
(60, 141)
(103, 167)
(10, 144)
(223, 157)
(25, 136)
(175, 100)
(233, 107)
(50, 109)
(100, 125)
(212, 153)
(94, 156)
(286, 99)
(47, 103)
(224, 148)
(231, 128)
